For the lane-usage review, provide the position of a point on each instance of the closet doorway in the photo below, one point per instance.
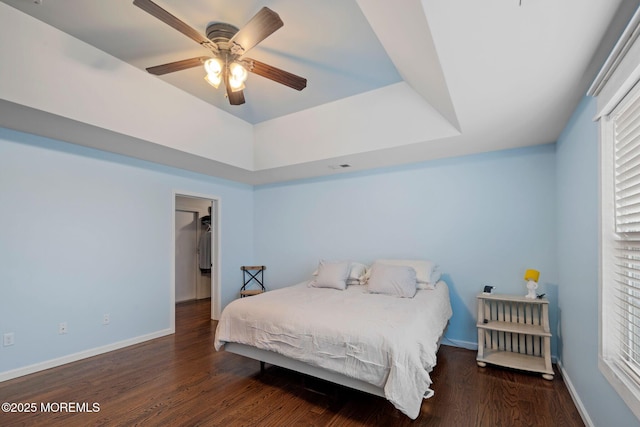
(188, 235)
(195, 272)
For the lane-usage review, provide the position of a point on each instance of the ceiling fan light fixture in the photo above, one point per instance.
(235, 84)
(237, 76)
(213, 80)
(213, 66)
(238, 72)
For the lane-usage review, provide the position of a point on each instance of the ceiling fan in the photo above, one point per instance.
(228, 44)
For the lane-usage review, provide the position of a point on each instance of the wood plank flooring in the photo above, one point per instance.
(181, 380)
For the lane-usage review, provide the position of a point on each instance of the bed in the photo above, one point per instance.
(374, 342)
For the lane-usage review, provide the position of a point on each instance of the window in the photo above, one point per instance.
(620, 286)
(625, 124)
(617, 91)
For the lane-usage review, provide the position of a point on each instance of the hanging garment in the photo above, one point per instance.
(204, 252)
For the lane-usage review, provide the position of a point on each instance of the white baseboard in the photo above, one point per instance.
(41, 366)
(574, 395)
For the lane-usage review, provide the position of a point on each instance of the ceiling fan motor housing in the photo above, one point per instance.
(220, 33)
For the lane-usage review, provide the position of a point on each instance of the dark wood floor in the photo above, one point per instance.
(181, 380)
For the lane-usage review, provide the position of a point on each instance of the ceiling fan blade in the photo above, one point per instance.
(235, 98)
(161, 14)
(159, 70)
(276, 74)
(262, 25)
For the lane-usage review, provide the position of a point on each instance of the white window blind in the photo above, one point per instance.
(626, 128)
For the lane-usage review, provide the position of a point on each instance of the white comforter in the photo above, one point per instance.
(387, 341)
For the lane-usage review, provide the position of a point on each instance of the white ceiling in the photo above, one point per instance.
(412, 80)
(328, 42)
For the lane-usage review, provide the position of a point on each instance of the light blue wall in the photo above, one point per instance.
(83, 233)
(578, 206)
(484, 218)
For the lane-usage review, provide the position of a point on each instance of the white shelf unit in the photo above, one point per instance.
(513, 331)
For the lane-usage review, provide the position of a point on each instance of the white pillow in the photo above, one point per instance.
(435, 278)
(398, 280)
(425, 269)
(356, 272)
(331, 275)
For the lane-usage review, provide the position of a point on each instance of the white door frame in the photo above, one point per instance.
(216, 304)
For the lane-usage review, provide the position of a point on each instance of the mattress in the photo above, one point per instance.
(383, 340)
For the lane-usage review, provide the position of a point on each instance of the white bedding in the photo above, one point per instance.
(386, 341)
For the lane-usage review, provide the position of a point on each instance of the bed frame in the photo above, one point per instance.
(302, 367)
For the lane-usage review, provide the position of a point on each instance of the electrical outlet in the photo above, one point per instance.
(8, 339)
(106, 319)
(62, 328)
